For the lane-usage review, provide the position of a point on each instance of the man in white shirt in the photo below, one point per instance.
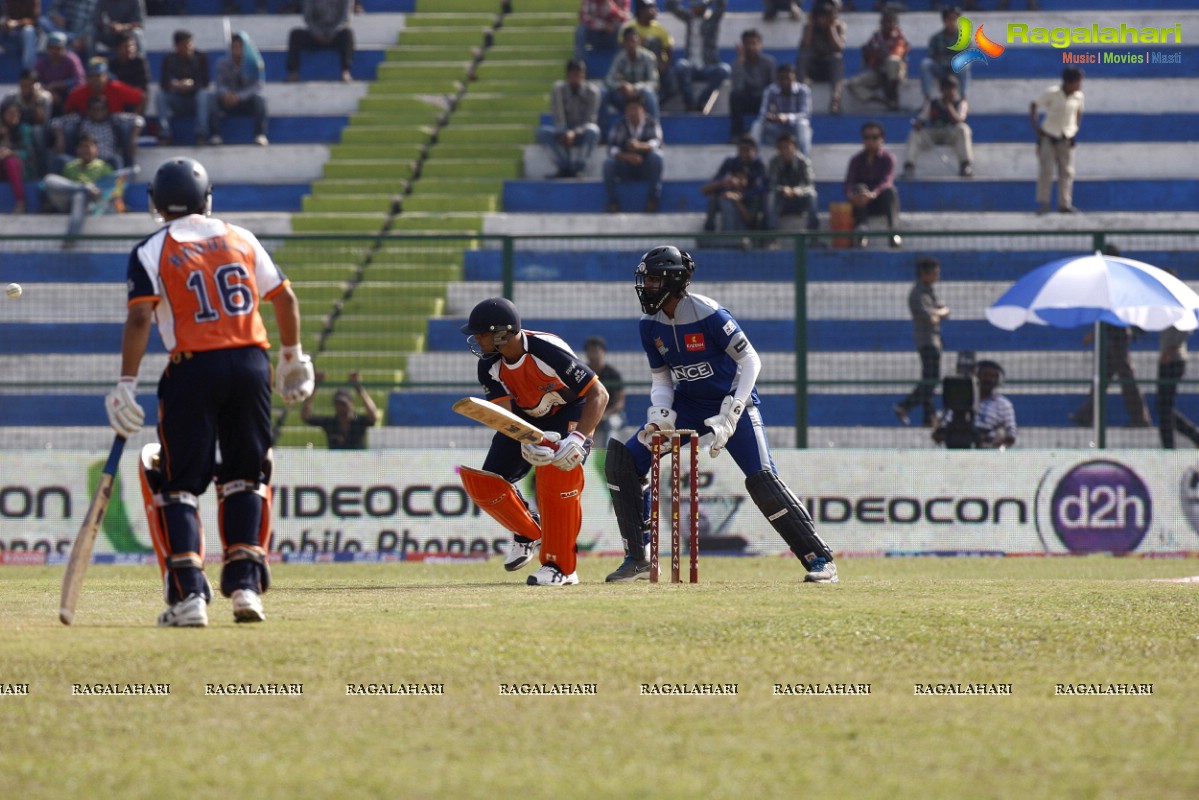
(1056, 132)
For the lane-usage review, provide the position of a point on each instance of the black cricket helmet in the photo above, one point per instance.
(495, 315)
(674, 266)
(181, 186)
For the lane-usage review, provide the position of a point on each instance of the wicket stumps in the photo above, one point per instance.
(675, 439)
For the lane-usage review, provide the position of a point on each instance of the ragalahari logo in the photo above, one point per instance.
(971, 48)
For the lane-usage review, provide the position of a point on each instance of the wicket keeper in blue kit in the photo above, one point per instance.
(703, 370)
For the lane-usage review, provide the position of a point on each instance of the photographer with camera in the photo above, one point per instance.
(989, 424)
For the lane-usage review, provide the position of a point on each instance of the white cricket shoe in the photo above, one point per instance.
(822, 571)
(521, 552)
(550, 575)
(191, 612)
(247, 606)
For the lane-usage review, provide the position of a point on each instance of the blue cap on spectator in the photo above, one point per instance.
(58, 37)
(97, 66)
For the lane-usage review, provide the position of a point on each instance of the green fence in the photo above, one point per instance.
(829, 317)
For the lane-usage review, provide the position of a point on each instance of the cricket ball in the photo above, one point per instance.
(13, 291)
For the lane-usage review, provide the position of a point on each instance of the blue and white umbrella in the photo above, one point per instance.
(1087, 290)
(1083, 290)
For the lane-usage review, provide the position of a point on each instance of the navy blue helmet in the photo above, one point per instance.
(181, 186)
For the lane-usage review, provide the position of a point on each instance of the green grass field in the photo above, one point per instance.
(1031, 623)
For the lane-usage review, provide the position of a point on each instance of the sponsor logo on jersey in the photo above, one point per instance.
(693, 372)
(694, 342)
(729, 327)
(658, 343)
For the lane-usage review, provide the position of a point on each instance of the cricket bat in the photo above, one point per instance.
(85, 540)
(499, 419)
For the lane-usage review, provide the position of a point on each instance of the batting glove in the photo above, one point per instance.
(572, 451)
(724, 424)
(541, 455)
(660, 418)
(294, 377)
(124, 414)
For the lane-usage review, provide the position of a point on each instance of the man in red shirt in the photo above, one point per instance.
(121, 96)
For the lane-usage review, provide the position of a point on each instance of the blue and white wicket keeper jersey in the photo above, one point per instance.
(698, 346)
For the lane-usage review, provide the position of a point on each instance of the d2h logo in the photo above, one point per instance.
(972, 48)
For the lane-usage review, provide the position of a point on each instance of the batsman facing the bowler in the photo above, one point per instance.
(703, 370)
(538, 377)
(202, 280)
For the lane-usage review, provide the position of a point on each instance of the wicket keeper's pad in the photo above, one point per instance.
(500, 500)
(788, 516)
(628, 497)
(560, 502)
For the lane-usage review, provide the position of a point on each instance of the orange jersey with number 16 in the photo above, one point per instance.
(207, 279)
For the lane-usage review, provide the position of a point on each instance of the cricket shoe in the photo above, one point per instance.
(521, 552)
(550, 575)
(631, 569)
(822, 571)
(191, 612)
(247, 606)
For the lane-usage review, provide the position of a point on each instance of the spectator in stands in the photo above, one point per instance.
(790, 186)
(238, 89)
(36, 105)
(1171, 367)
(599, 25)
(936, 66)
(753, 73)
(737, 192)
(656, 39)
(995, 418)
(16, 153)
(82, 184)
(701, 57)
(822, 50)
(869, 183)
(942, 121)
(112, 18)
(119, 95)
(771, 9)
(72, 18)
(927, 312)
(1056, 133)
(129, 66)
(596, 351)
(885, 57)
(634, 145)
(634, 71)
(183, 88)
(345, 429)
(327, 26)
(574, 132)
(115, 134)
(786, 108)
(19, 29)
(60, 69)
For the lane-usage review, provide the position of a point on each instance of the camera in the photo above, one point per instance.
(959, 394)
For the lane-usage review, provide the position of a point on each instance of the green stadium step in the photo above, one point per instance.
(337, 223)
(420, 277)
(526, 70)
(413, 74)
(534, 39)
(378, 132)
(382, 151)
(348, 203)
(542, 14)
(530, 103)
(500, 85)
(488, 114)
(467, 185)
(436, 223)
(376, 320)
(374, 366)
(466, 36)
(327, 186)
(310, 291)
(368, 168)
(383, 346)
(440, 53)
(449, 168)
(434, 18)
(481, 203)
(488, 134)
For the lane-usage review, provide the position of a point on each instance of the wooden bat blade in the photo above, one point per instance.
(499, 419)
(85, 540)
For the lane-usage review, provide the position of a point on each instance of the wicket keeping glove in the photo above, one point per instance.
(572, 451)
(542, 454)
(724, 424)
(659, 418)
(124, 414)
(294, 377)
